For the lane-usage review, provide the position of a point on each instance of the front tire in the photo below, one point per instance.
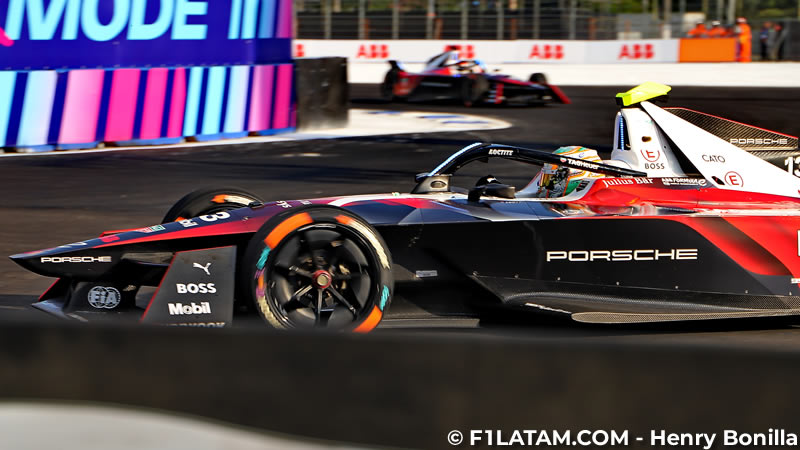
(209, 201)
(318, 267)
(473, 89)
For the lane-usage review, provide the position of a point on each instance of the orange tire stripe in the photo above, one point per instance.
(219, 198)
(286, 227)
(371, 322)
(344, 220)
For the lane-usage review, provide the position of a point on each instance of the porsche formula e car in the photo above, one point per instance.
(447, 77)
(678, 225)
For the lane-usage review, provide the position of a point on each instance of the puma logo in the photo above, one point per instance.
(203, 268)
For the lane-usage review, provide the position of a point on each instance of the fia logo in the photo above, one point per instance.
(202, 267)
(5, 41)
(102, 297)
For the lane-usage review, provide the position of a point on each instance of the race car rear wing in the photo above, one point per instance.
(744, 136)
(437, 180)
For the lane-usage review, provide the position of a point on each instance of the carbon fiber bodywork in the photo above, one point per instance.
(777, 148)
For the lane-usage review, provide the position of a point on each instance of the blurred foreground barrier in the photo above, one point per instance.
(79, 72)
(403, 389)
(708, 50)
(322, 92)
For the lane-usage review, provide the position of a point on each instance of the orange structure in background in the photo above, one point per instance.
(707, 50)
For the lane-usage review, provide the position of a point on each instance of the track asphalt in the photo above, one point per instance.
(53, 200)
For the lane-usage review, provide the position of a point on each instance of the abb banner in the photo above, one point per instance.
(520, 51)
(411, 51)
(641, 51)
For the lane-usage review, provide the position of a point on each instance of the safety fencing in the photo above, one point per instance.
(74, 75)
(526, 51)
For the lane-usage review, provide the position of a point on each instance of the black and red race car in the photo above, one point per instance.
(678, 225)
(447, 77)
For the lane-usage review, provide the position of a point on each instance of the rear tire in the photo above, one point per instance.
(318, 267)
(538, 77)
(209, 201)
(387, 87)
(468, 92)
(474, 90)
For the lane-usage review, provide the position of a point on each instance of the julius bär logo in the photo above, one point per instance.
(5, 41)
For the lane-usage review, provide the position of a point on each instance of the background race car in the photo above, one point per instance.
(447, 77)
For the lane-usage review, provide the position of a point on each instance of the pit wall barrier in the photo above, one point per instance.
(75, 73)
(523, 51)
(432, 383)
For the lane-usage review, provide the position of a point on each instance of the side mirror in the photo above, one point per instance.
(427, 184)
(492, 190)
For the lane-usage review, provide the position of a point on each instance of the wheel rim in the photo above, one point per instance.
(322, 276)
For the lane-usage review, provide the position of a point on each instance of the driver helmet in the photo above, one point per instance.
(559, 181)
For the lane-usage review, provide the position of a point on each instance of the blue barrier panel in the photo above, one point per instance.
(167, 69)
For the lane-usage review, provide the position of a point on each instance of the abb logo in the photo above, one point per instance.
(373, 51)
(636, 51)
(547, 51)
(464, 51)
(299, 51)
(5, 41)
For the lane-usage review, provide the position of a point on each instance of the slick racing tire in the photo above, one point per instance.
(473, 89)
(387, 87)
(318, 267)
(209, 201)
(538, 77)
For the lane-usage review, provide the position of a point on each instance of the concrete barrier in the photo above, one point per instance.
(406, 390)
